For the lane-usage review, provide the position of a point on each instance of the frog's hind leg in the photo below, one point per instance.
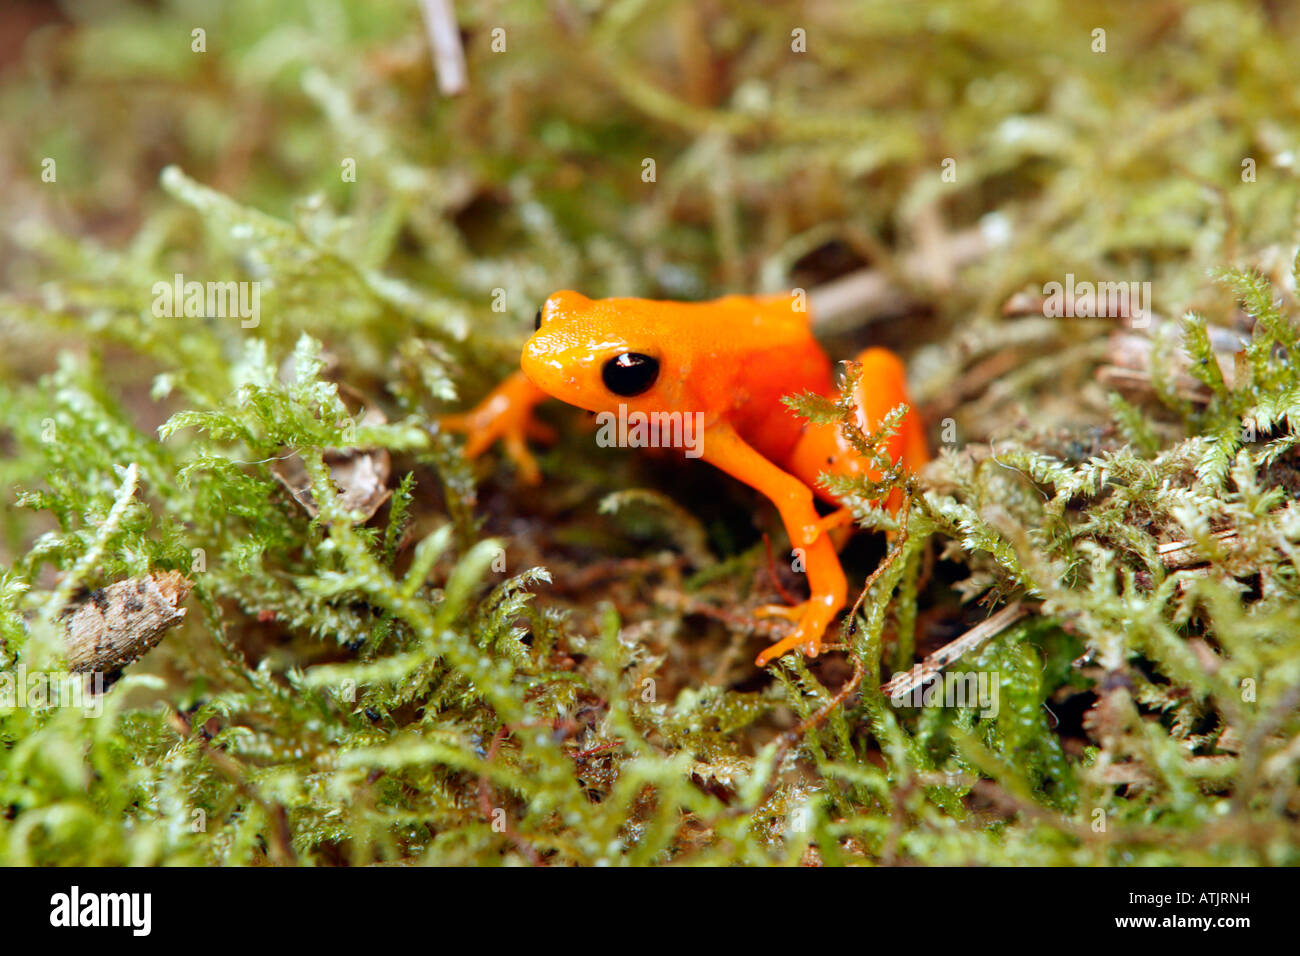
(881, 387)
(823, 449)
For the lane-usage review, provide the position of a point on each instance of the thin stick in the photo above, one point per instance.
(1184, 554)
(792, 737)
(444, 39)
(486, 809)
(280, 846)
(906, 682)
(870, 294)
(786, 596)
(904, 532)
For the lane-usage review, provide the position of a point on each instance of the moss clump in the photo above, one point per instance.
(472, 671)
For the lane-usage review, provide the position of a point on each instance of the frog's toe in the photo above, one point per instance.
(538, 430)
(812, 617)
(790, 612)
(478, 435)
(511, 429)
(783, 647)
(454, 423)
(517, 450)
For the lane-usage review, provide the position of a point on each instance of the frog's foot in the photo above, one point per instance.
(512, 430)
(505, 415)
(811, 618)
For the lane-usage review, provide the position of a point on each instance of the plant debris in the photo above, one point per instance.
(119, 624)
(390, 654)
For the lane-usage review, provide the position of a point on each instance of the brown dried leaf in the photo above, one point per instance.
(361, 476)
(1113, 713)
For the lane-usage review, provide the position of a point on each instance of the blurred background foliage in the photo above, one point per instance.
(349, 691)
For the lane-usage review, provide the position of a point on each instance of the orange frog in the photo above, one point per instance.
(732, 360)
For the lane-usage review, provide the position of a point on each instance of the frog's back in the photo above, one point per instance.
(749, 352)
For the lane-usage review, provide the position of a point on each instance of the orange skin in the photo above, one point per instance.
(732, 359)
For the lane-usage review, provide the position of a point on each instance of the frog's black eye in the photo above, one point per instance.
(537, 322)
(630, 373)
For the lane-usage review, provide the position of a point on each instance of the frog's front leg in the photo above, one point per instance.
(507, 414)
(794, 500)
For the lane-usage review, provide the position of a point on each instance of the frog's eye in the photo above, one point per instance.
(630, 373)
(537, 322)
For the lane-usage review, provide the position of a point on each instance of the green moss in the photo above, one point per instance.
(487, 673)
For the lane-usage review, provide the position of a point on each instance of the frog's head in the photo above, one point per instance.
(597, 353)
